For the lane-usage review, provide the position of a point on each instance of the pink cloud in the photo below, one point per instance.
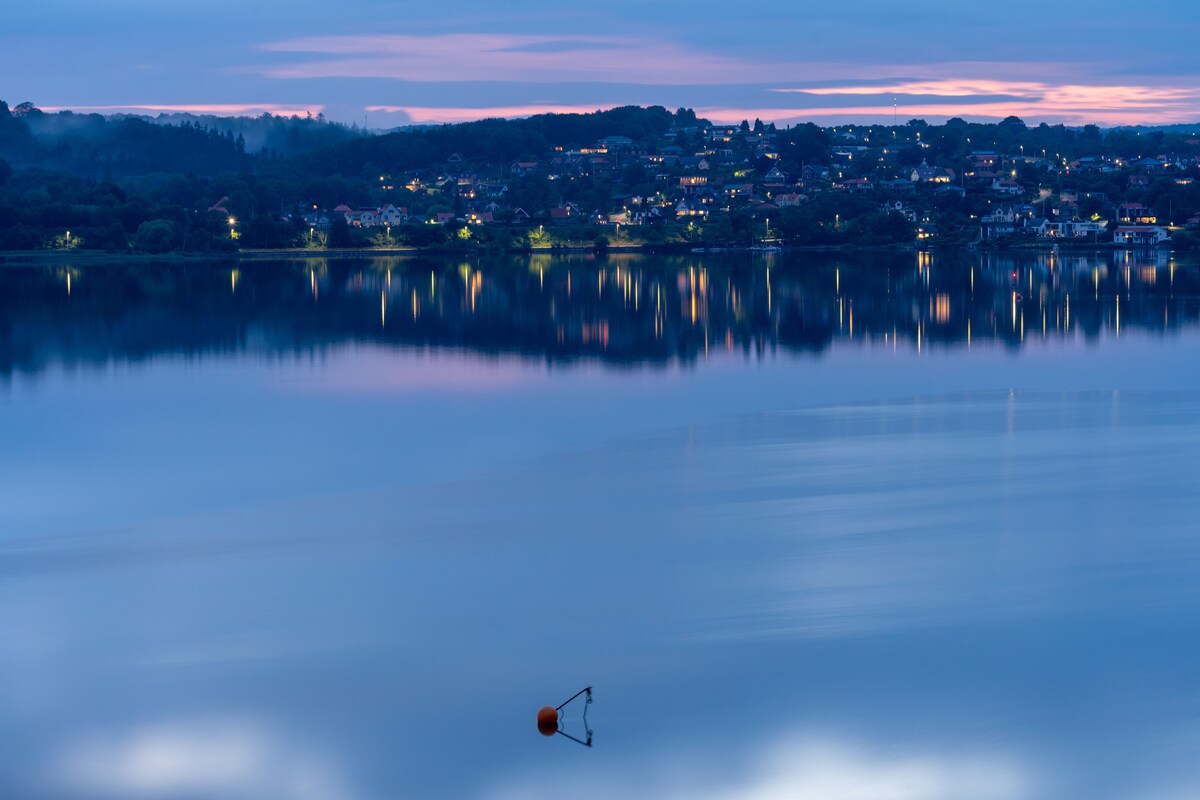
(216, 109)
(1068, 102)
(427, 114)
(951, 87)
(1069, 96)
(978, 111)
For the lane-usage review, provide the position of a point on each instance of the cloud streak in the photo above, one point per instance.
(504, 57)
(422, 115)
(215, 109)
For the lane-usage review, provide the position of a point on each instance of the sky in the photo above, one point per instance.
(392, 63)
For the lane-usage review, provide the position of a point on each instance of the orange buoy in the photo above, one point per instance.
(547, 720)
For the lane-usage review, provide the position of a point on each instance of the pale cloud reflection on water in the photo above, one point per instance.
(801, 766)
(225, 758)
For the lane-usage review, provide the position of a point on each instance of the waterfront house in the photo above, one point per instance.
(391, 215)
(1140, 235)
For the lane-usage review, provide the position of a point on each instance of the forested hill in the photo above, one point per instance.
(112, 146)
(122, 145)
(496, 140)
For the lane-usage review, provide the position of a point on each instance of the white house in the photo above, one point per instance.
(390, 215)
(1140, 235)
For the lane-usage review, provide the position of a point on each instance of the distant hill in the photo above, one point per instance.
(123, 144)
(273, 135)
(496, 140)
(1185, 128)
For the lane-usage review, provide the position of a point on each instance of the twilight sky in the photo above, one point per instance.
(392, 63)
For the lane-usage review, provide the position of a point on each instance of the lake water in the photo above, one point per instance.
(812, 526)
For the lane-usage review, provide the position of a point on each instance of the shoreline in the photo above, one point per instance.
(25, 257)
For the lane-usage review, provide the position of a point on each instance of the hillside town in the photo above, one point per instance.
(698, 175)
(627, 177)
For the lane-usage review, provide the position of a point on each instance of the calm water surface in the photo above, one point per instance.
(815, 527)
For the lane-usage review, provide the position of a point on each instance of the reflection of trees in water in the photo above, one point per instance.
(620, 308)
